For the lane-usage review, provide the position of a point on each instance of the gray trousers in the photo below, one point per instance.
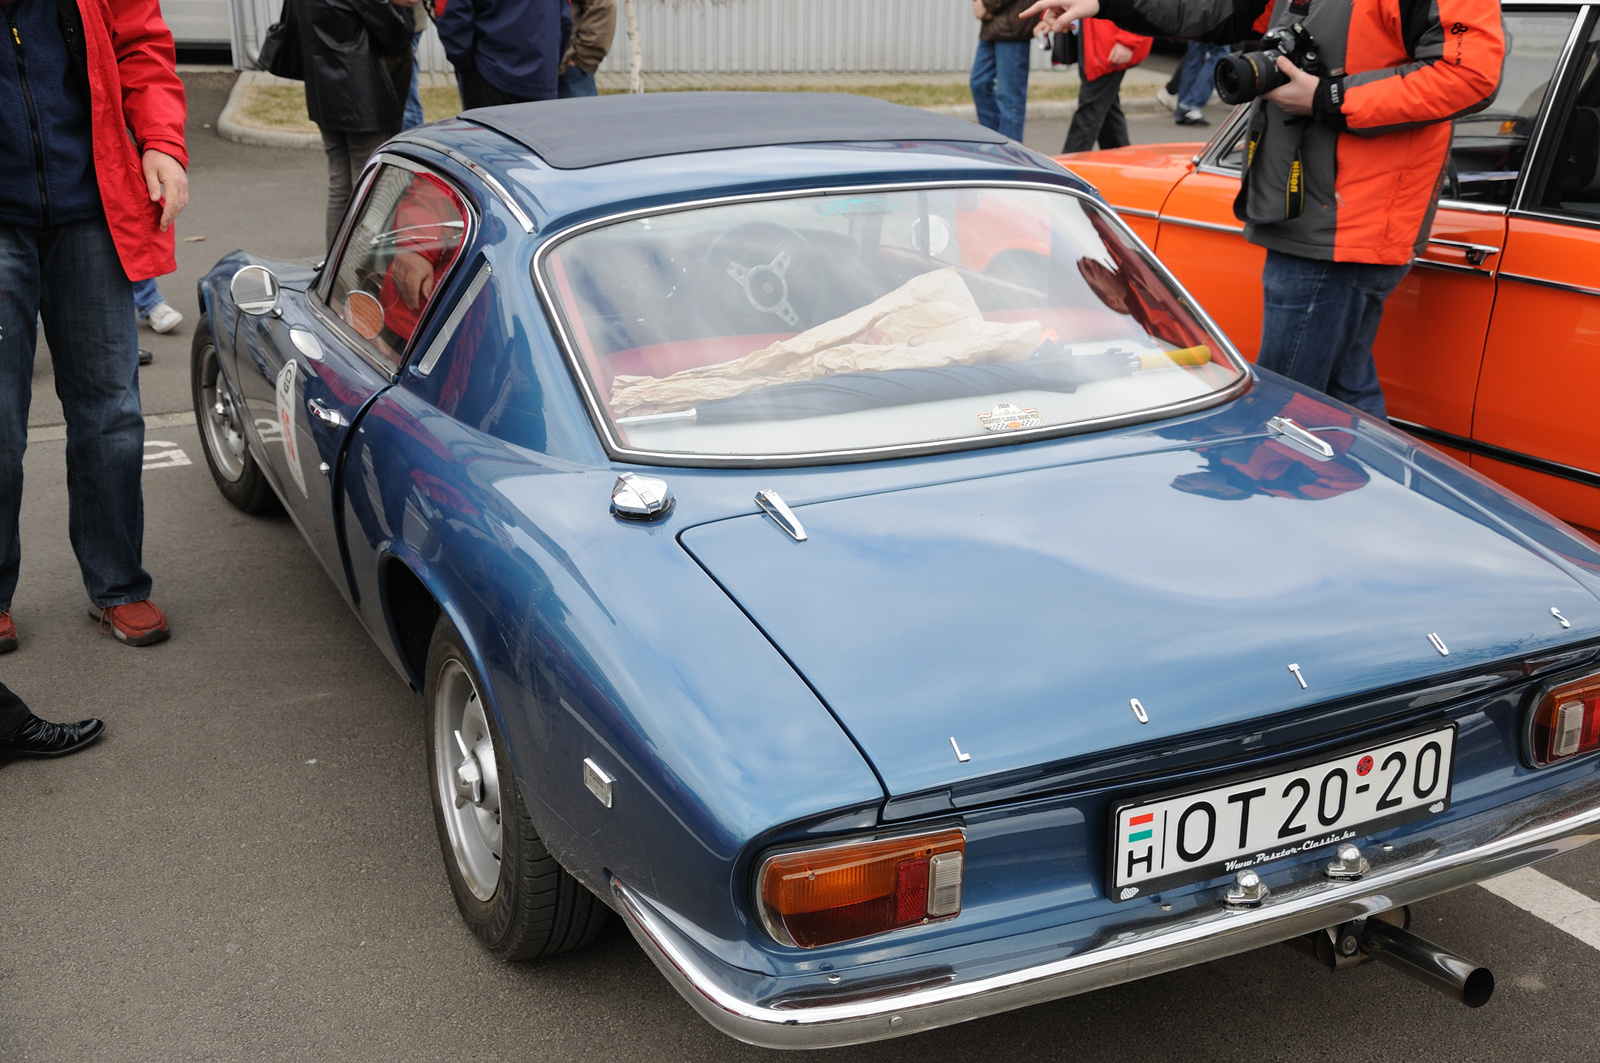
(347, 154)
(1099, 115)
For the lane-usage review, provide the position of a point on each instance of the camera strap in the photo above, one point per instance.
(1294, 177)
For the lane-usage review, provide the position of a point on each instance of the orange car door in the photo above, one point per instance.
(1537, 428)
(1430, 348)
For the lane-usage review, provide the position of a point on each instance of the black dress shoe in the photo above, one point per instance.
(41, 738)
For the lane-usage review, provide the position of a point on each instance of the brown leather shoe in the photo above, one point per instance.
(137, 623)
(8, 633)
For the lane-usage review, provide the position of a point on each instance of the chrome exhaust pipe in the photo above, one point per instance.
(1429, 964)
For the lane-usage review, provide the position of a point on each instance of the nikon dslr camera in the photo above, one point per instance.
(1242, 76)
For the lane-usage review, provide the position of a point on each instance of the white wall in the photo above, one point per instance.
(745, 36)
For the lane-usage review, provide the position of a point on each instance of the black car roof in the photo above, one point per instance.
(572, 134)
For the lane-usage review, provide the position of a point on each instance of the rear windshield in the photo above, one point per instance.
(853, 324)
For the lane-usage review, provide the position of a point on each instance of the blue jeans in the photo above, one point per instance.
(575, 83)
(1318, 322)
(412, 116)
(146, 296)
(1000, 86)
(1195, 77)
(71, 276)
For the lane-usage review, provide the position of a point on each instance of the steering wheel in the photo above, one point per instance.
(761, 270)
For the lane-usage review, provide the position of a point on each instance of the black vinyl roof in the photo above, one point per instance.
(594, 131)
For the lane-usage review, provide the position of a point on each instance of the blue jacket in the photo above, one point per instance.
(46, 148)
(515, 45)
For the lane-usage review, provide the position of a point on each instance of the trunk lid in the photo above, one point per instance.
(1019, 614)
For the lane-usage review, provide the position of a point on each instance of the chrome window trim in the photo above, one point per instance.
(1506, 455)
(1472, 207)
(1137, 212)
(441, 338)
(489, 180)
(325, 280)
(1234, 123)
(1582, 25)
(618, 452)
(1558, 219)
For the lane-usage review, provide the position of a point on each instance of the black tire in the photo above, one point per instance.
(534, 907)
(222, 440)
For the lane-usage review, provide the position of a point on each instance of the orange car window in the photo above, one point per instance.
(1488, 149)
(1572, 185)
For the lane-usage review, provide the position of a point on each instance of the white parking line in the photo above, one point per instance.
(161, 454)
(1561, 906)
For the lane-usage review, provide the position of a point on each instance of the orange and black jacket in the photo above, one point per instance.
(1359, 180)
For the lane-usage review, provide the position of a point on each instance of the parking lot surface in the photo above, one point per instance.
(245, 868)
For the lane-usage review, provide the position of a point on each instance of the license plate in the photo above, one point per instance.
(1174, 838)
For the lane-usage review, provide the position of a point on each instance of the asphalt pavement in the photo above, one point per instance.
(245, 868)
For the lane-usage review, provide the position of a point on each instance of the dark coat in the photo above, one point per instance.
(1006, 23)
(357, 62)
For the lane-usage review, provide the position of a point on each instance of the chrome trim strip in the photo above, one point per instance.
(483, 175)
(1209, 226)
(1136, 212)
(1452, 267)
(451, 323)
(1500, 454)
(1576, 220)
(1471, 206)
(1561, 286)
(1558, 78)
(1515, 836)
(677, 459)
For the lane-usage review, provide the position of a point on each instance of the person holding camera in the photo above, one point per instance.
(1347, 150)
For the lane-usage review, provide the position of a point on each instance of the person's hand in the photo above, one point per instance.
(1055, 16)
(413, 278)
(1296, 96)
(165, 180)
(980, 11)
(1121, 54)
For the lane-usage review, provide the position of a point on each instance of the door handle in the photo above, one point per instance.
(327, 415)
(1474, 253)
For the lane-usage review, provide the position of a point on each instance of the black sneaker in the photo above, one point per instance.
(1195, 117)
(146, 356)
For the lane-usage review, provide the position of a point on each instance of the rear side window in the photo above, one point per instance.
(1489, 149)
(1573, 183)
(405, 237)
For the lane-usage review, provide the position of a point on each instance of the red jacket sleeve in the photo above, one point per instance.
(1445, 62)
(152, 94)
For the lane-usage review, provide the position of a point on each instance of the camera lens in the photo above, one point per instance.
(1242, 76)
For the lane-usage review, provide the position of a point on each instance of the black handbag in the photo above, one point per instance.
(280, 48)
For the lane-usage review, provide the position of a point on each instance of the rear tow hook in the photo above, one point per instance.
(1385, 938)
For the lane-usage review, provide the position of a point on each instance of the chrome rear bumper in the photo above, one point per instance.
(1479, 847)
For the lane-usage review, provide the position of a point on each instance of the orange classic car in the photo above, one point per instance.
(1490, 348)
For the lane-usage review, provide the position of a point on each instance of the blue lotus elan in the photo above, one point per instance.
(823, 535)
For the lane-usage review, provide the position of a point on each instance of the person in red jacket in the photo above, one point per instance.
(91, 177)
(1104, 54)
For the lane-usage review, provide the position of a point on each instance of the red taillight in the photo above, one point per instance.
(1566, 721)
(822, 896)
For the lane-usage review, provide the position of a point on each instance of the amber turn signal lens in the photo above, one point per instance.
(822, 896)
(1566, 721)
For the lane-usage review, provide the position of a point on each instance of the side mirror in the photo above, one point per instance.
(254, 290)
